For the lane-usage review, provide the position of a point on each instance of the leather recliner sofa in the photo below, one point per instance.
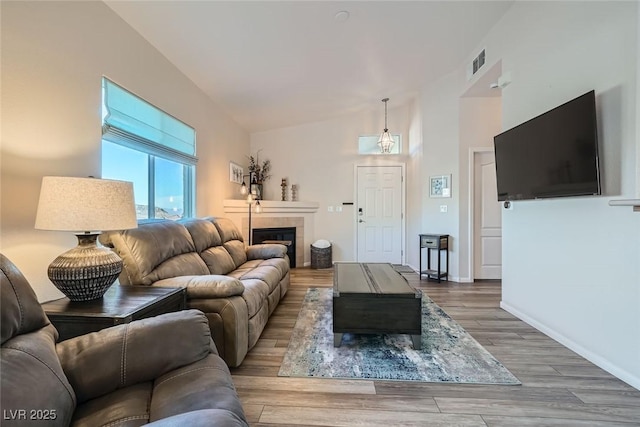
(162, 371)
(237, 286)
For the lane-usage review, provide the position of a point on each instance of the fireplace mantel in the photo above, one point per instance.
(271, 206)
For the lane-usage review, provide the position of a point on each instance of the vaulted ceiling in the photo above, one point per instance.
(273, 64)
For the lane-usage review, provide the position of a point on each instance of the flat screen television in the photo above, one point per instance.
(552, 155)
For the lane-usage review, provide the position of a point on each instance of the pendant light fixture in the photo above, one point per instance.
(386, 140)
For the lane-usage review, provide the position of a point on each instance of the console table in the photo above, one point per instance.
(120, 304)
(439, 243)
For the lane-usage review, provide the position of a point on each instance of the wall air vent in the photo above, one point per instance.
(478, 62)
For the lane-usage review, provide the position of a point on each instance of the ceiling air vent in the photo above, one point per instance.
(478, 62)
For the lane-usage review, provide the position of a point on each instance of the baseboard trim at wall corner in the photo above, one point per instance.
(594, 358)
(412, 267)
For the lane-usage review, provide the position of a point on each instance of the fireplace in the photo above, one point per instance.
(288, 234)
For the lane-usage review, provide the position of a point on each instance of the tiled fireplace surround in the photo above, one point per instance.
(276, 214)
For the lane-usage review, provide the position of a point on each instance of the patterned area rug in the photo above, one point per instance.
(448, 354)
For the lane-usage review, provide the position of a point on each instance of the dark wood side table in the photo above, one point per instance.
(439, 243)
(120, 304)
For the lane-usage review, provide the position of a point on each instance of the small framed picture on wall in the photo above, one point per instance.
(440, 186)
(235, 173)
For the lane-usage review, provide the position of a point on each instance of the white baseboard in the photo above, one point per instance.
(614, 370)
(412, 267)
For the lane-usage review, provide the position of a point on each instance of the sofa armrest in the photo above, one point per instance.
(101, 362)
(266, 251)
(202, 418)
(205, 286)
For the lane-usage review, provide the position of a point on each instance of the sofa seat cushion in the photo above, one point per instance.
(244, 269)
(255, 294)
(281, 264)
(206, 286)
(268, 274)
(271, 271)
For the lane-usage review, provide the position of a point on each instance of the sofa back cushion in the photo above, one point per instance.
(124, 355)
(154, 251)
(34, 387)
(203, 233)
(209, 244)
(231, 240)
(21, 312)
(218, 260)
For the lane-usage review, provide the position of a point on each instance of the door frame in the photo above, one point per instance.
(403, 196)
(473, 151)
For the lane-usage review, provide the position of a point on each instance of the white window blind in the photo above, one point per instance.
(131, 121)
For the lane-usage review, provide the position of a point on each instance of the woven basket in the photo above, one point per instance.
(321, 257)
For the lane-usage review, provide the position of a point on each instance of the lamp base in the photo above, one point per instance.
(85, 272)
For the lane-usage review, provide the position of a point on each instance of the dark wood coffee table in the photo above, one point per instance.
(120, 304)
(373, 298)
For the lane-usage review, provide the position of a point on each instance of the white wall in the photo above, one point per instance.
(570, 266)
(53, 57)
(440, 108)
(320, 157)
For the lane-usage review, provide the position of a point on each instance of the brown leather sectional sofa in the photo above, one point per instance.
(237, 286)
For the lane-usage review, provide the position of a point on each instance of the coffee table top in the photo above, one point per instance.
(370, 278)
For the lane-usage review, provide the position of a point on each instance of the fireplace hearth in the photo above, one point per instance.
(284, 234)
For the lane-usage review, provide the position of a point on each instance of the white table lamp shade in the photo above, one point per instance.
(85, 204)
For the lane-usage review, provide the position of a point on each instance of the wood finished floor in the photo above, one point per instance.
(559, 388)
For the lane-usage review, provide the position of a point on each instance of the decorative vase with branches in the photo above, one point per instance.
(260, 172)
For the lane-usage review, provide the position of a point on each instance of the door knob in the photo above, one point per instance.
(361, 220)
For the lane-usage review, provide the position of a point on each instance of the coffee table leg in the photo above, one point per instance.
(337, 339)
(417, 341)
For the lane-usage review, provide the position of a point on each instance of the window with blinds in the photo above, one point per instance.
(149, 147)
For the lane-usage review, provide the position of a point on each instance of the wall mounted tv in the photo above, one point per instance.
(552, 155)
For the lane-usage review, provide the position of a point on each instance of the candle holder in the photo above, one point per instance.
(284, 189)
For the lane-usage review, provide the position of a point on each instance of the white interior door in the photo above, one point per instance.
(379, 214)
(487, 216)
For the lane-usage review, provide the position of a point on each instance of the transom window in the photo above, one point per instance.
(368, 144)
(152, 149)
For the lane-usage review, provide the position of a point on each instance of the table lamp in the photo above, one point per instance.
(85, 206)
